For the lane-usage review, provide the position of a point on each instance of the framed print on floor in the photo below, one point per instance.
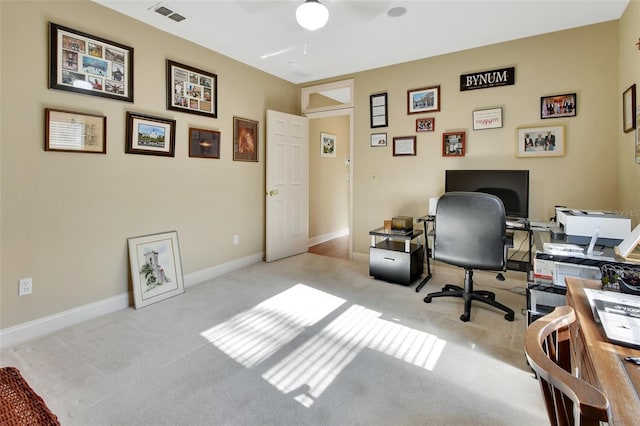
(426, 99)
(453, 144)
(191, 90)
(204, 143)
(150, 135)
(75, 132)
(83, 63)
(245, 139)
(156, 268)
(540, 141)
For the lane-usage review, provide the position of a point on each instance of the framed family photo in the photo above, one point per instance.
(75, 132)
(204, 143)
(425, 124)
(327, 145)
(453, 144)
(378, 139)
(83, 63)
(540, 141)
(628, 109)
(150, 135)
(426, 99)
(557, 106)
(245, 139)
(191, 90)
(156, 268)
(404, 145)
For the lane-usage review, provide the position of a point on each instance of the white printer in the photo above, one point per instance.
(580, 225)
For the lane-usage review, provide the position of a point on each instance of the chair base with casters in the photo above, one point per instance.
(468, 294)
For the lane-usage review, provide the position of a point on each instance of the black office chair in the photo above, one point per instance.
(470, 232)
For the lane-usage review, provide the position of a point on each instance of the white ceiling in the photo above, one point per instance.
(359, 35)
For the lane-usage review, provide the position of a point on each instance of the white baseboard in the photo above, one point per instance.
(31, 329)
(328, 237)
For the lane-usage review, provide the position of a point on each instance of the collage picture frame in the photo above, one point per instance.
(453, 144)
(191, 90)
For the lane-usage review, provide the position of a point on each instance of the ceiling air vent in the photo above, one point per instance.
(176, 17)
(165, 11)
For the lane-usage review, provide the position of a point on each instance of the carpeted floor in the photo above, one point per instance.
(307, 340)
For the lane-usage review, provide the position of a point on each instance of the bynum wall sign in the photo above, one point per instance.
(486, 79)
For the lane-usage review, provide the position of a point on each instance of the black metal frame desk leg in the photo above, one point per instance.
(427, 251)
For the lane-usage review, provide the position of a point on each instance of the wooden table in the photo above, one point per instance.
(602, 363)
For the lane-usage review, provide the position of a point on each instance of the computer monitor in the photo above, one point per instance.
(511, 186)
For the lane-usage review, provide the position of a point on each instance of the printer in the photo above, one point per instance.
(580, 225)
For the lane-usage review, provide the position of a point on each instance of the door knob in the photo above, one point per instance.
(273, 192)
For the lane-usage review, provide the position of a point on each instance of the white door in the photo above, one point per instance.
(287, 185)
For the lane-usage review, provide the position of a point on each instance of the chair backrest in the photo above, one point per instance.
(569, 400)
(470, 230)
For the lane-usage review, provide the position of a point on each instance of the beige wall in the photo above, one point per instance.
(579, 60)
(628, 171)
(328, 184)
(66, 217)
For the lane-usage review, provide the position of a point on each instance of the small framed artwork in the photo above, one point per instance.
(426, 99)
(191, 90)
(245, 139)
(327, 145)
(404, 145)
(204, 143)
(637, 151)
(150, 135)
(557, 106)
(83, 63)
(540, 141)
(378, 139)
(487, 119)
(378, 104)
(75, 132)
(425, 124)
(156, 268)
(453, 144)
(628, 109)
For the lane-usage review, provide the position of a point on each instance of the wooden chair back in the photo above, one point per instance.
(569, 400)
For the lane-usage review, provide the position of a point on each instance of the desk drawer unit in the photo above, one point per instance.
(389, 261)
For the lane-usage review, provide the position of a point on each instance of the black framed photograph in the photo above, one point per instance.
(425, 124)
(378, 139)
(453, 144)
(245, 139)
(379, 115)
(83, 63)
(156, 268)
(426, 99)
(487, 118)
(191, 90)
(629, 109)
(150, 135)
(204, 143)
(75, 131)
(404, 145)
(557, 106)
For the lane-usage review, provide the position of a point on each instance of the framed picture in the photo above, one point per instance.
(425, 124)
(204, 143)
(245, 139)
(378, 139)
(83, 63)
(426, 99)
(637, 151)
(628, 109)
(557, 106)
(487, 119)
(191, 90)
(156, 268)
(404, 145)
(327, 145)
(378, 105)
(453, 144)
(150, 135)
(75, 132)
(540, 141)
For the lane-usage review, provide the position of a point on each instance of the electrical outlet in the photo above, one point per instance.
(25, 286)
(236, 240)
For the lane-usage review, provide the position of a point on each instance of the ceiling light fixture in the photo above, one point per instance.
(311, 15)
